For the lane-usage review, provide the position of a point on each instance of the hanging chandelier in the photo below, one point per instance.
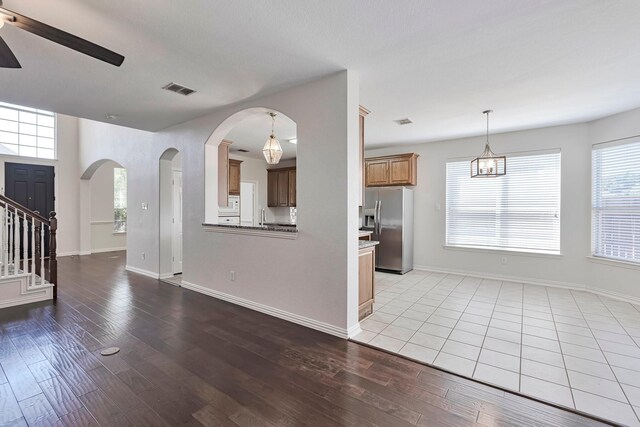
(272, 150)
(488, 165)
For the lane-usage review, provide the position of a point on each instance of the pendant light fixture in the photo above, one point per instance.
(488, 165)
(272, 150)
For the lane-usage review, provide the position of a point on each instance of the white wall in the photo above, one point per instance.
(103, 238)
(572, 268)
(317, 286)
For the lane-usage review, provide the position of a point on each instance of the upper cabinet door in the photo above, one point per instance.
(283, 188)
(400, 171)
(377, 172)
(272, 189)
(234, 177)
(292, 188)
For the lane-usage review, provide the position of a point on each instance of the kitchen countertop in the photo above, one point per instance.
(288, 229)
(280, 224)
(364, 244)
(364, 233)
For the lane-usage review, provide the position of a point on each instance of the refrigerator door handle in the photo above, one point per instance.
(378, 217)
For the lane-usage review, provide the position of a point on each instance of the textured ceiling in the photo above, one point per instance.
(534, 62)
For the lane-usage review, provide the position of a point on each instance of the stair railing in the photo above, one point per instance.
(28, 244)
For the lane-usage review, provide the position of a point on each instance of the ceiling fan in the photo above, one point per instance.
(8, 59)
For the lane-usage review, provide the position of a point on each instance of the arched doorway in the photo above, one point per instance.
(104, 210)
(170, 221)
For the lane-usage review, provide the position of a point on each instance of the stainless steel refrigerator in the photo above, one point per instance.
(388, 212)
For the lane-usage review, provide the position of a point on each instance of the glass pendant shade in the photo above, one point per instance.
(272, 150)
(488, 165)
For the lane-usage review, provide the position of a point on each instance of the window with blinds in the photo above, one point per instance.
(27, 132)
(519, 211)
(616, 202)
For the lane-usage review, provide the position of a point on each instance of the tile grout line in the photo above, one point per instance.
(521, 336)
(564, 363)
(488, 325)
(607, 359)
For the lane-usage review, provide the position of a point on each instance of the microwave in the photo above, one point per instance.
(233, 209)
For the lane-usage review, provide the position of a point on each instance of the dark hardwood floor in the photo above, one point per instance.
(188, 359)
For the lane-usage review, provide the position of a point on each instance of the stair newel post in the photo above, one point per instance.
(53, 259)
(37, 244)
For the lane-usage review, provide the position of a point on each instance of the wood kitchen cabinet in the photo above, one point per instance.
(366, 281)
(281, 187)
(234, 177)
(400, 169)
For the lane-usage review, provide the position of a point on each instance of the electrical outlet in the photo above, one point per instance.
(143, 255)
(232, 275)
(503, 260)
(145, 206)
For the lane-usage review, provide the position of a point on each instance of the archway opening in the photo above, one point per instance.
(107, 207)
(241, 187)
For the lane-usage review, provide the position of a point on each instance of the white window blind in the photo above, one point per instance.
(616, 202)
(519, 211)
(27, 132)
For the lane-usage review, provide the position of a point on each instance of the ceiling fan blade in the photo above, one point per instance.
(62, 37)
(7, 58)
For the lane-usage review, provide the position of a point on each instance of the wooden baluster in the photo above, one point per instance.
(53, 259)
(5, 243)
(38, 248)
(42, 253)
(25, 243)
(16, 242)
(33, 251)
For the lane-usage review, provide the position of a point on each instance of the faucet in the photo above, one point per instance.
(263, 217)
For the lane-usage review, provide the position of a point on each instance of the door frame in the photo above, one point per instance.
(173, 228)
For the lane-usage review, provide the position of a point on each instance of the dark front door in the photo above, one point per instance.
(31, 186)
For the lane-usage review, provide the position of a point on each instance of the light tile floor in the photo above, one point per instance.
(572, 348)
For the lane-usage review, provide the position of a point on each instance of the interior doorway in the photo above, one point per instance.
(170, 233)
(177, 221)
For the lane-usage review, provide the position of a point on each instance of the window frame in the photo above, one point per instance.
(508, 250)
(24, 109)
(598, 258)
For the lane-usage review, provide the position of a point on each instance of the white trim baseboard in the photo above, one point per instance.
(275, 312)
(163, 276)
(142, 271)
(531, 281)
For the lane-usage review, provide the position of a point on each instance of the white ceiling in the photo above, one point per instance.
(252, 133)
(440, 63)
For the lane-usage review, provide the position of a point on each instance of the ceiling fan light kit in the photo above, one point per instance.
(9, 60)
(488, 164)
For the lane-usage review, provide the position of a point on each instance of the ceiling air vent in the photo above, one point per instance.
(242, 150)
(403, 122)
(175, 87)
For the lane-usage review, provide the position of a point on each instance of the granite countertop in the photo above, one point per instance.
(287, 229)
(364, 233)
(364, 244)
